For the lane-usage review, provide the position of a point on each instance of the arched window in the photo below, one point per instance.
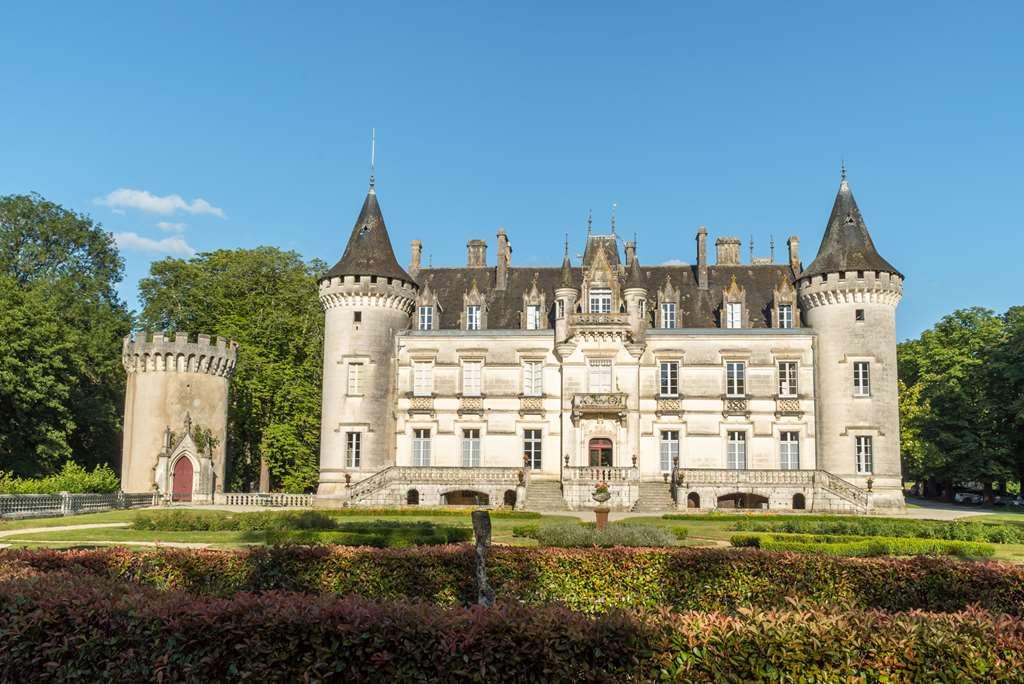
(799, 502)
(601, 452)
(510, 498)
(412, 498)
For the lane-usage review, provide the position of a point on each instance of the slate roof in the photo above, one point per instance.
(846, 245)
(369, 251)
(697, 308)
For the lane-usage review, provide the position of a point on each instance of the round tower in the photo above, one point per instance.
(367, 298)
(849, 295)
(565, 299)
(176, 414)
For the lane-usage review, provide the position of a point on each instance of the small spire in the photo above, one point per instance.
(614, 205)
(751, 248)
(565, 251)
(590, 221)
(771, 247)
(842, 172)
(373, 154)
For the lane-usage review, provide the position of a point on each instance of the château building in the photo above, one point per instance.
(714, 385)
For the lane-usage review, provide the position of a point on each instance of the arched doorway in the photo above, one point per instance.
(412, 498)
(601, 452)
(181, 485)
(510, 498)
(799, 502)
(693, 500)
(742, 500)
(466, 497)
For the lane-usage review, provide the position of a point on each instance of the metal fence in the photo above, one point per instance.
(42, 505)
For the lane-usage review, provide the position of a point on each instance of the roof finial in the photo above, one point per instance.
(751, 248)
(771, 247)
(614, 205)
(842, 171)
(590, 220)
(373, 153)
(565, 252)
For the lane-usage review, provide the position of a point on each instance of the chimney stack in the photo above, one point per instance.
(417, 253)
(702, 258)
(728, 251)
(504, 260)
(630, 252)
(794, 253)
(476, 254)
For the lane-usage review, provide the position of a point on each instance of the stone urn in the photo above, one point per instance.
(601, 512)
(601, 497)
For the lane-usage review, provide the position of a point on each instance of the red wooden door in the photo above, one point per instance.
(181, 488)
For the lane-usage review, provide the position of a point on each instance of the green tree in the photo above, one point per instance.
(58, 271)
(1006, 380)
(266, 300)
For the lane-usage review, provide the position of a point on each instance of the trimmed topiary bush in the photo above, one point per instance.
(998, 533)
(570, 535)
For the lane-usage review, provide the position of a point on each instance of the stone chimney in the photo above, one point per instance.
(476, 254)
(794, 253)
(504, 260)
(728, 251)
(417, 254)
(630, 252)
(702, 258)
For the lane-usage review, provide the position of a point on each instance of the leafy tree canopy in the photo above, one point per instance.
(266, 300)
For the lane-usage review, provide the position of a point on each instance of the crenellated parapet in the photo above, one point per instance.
(181, 352)
(368, 291)
(851, 287)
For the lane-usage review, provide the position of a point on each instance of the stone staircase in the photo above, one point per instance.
(655, 497)
(545, 495)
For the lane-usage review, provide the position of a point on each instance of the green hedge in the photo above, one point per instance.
(997, 533)
(62, 627)
(589, 580)
(380, 534)
(192, 520)
(569, 535)
(840, 545)
(72, 478)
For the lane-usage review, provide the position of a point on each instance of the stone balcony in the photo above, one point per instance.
(470, 405)
(669, 406)
(788, 406)
(530, 404)
(598, 319)
(595, 474)
(599, 404)
(421, 404)
(735, 406)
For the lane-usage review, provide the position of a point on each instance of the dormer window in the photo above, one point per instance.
(473, 317)
(426, 318)
(533, 317)
(785, 315)
(600, 301)
(733, 315)
(668, 314)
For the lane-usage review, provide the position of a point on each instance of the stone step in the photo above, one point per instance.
(545, 496)
(655, 497)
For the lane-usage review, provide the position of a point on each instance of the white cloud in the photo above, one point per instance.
(674, 262)
(168, 245)
(143, 200)
(171, 227)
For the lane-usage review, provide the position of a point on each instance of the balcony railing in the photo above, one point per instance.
(471, 405)
(421, 404)
(669, 406)
(599, 404)
(788, 406)
(600, 474)
(735, 406)
(598, 319)
(530, 404)
(693, 477)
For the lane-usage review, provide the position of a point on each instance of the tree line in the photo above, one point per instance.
(62, 383)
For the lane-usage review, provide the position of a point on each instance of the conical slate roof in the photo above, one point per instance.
(634, 278)
(369, 251)
(846, 246)
(566, 278)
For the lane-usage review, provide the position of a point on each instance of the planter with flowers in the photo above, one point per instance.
(601, 495)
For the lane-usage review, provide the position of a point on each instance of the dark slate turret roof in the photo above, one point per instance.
(634, 278)
(846, 246)
(610, 245)
(369, 251)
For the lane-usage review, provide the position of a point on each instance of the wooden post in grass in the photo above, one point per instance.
(482, 532)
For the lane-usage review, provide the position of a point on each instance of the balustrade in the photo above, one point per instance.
(598, 319)
(531, 404)
(735, 406)
(595, 474)
(470, 405)
(421, 404)
(669, 405)
(788, 406)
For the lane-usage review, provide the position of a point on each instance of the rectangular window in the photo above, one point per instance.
(421, 447)
(733, 315)
(426, 320)
(471, 448)
(865, 455)
(471, 384)
(531, 449)
(642, 308)
(669, 379)
(735, 379)
(787, 379)
(422, 380)
(601, 375)
(533, 378)
(353, 447)
(785, 315)
(533, 317)
(668, 314)
(600, 301)
(861, 379)
(560, 308)
(357, 316)
(669, 450)
(736, 458)
(355, 379)
(858, 315)
(789, 451)
(473, 317)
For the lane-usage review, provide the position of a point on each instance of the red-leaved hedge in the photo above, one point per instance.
(588, 580)
(62, 626)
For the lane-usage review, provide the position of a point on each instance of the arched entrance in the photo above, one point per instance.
(799, 502)
(181, 485)
(466, 497)
(693, 500)
(742, 500)
(412, 498)
(510, 498)
(600, 452)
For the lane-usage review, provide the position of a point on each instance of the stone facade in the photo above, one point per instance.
(706, 386)
(176, 385)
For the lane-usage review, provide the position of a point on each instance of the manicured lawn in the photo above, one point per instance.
(107, 517)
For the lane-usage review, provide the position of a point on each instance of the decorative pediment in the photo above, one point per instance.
(427, 296)
(668, 292)
(734, 292)
(474, 297)
(784, 290)
(535, 297)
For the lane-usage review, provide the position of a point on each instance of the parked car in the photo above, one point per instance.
(969, 498)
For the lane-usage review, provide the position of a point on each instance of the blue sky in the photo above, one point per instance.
(524, 115)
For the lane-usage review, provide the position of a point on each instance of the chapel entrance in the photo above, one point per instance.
(601, 452)
(181, 486)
